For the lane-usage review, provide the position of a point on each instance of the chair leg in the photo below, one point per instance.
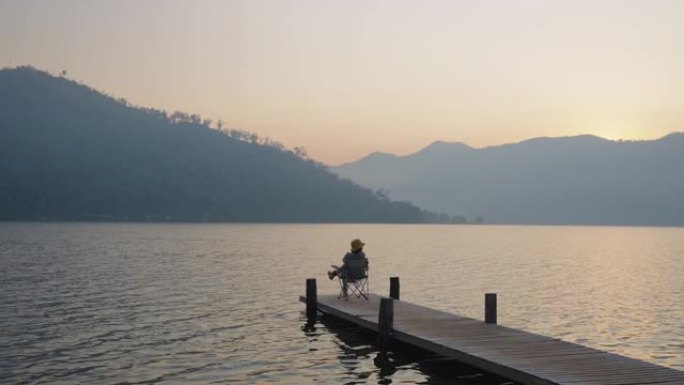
(357, 288)
(364, 289)
(344, 288)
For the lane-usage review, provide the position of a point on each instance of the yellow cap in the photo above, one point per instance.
(356, 244)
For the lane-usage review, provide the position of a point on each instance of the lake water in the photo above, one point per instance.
(185, 304)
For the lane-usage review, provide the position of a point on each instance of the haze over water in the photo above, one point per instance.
(174, 303)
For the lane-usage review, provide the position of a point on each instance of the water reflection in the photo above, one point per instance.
(198, 304)
(401, 364)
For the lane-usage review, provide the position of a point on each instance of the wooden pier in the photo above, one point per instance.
(510, 353)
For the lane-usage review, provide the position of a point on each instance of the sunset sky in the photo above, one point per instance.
(346, 78)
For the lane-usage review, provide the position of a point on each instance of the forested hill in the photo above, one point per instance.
(68, 152)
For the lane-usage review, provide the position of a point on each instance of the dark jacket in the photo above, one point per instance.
(359, 255)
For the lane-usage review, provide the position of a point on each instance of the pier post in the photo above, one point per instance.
(385, 322)
(394, 288)
(311, 299)
(490, 308)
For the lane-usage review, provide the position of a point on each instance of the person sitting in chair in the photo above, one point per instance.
(357, 254)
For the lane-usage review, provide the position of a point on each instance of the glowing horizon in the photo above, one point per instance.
(345, 79)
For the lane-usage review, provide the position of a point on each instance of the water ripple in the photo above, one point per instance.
(191, 304)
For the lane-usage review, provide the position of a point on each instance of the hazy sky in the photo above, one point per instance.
(345, 78)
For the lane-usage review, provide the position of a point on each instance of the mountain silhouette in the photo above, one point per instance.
(583, 180)
(68, 152)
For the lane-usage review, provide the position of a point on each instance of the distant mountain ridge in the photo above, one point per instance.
(68, 152)
(583, 180)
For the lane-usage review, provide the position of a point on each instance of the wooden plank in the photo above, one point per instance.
(588, 363)
(521, 356)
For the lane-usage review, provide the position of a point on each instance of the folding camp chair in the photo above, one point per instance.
(354, 276)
